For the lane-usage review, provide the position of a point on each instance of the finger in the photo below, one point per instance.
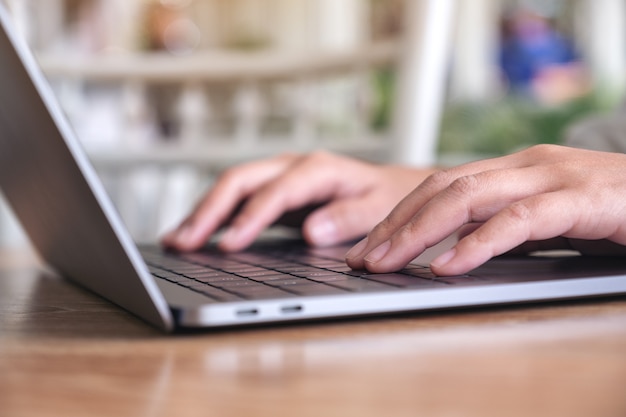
(218, 205)
(539, 217)
(311, 180)
(341, 221)
(473, 198)
(557, 243)
(425, 192)
(398, 217)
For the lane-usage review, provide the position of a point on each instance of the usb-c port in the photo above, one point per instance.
(247, 312)
(291, 309)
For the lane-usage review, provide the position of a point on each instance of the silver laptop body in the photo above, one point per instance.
(55, 193)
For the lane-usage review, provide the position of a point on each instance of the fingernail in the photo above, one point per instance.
(178, 237)
(378, 253)
(230, 236)
(444, 258)
(356, 249)
(183, 234)
(166, 241)
(324, 233)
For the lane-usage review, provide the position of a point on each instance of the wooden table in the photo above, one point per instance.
(66, 352)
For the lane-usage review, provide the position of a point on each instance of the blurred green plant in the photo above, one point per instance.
(509, 124)
(384, 90)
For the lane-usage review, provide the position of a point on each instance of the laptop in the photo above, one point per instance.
(62, 205)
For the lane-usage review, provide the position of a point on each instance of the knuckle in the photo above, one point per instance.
(476, 239)
(382, 228)
(230, 175)
(319, 155)
(465, 185)
(320, 158)
(542, 150)
(288, 156)
(406, 233)
(439, 179)
(320, 164)
(519, 212)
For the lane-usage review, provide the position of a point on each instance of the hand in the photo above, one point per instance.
(354, 196)
(547, 193)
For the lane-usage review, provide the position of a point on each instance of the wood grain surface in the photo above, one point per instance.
(67, 352)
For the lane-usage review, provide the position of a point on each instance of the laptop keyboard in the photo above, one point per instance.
(280, 273)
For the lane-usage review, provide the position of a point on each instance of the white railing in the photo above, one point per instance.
(307, 86)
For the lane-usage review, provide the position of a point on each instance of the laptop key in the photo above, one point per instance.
(241, 282)
(314, 273)
(331, 278)
(219, 279)
(289, 282)
(206, 274)
(218, 294)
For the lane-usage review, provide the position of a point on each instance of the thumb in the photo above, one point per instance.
(340, 221)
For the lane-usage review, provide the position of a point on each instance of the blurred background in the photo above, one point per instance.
(164, 94)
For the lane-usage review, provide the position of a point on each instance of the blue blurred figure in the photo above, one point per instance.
(531, 47)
